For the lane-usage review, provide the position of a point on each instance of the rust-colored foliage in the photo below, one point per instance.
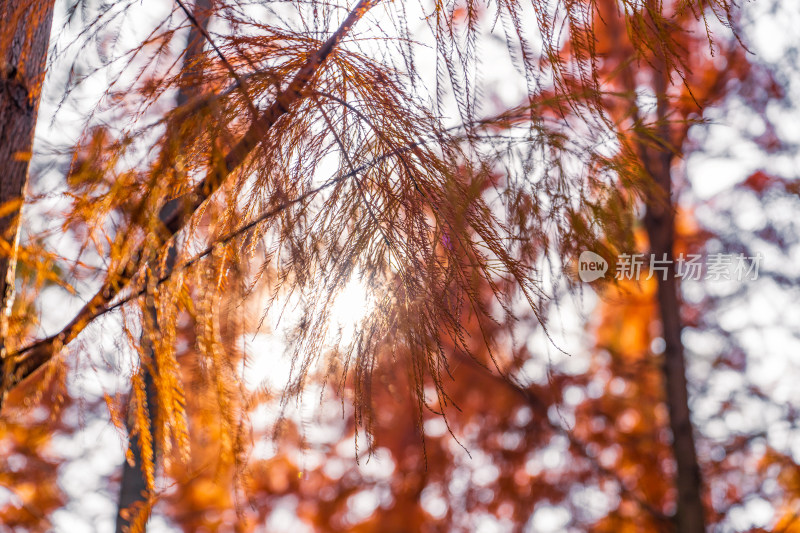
(29, 459)
(306, 149)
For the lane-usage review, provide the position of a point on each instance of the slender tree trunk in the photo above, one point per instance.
(134, 494)
(24, 40)
(660, 225)
(659, 222)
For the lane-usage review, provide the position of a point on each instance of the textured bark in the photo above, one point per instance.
(24, 40)
(134, 495)
(660, 225)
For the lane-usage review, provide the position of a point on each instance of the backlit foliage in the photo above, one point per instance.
(308, 156)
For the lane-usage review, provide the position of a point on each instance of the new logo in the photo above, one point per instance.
(591, 266)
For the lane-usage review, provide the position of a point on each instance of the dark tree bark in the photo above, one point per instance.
(24, 40)
(660, 226)
(135, 496)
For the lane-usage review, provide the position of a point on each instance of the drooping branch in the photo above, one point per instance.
(22, 353)
(176, 213)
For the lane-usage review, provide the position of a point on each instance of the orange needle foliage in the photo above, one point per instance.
(313, 150)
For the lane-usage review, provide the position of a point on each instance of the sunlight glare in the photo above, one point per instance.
(350, 308)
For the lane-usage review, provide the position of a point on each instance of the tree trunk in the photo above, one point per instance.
(134, 495)
(660, 225)
(24, 41)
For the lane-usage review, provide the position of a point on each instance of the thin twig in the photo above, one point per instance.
(240, 83)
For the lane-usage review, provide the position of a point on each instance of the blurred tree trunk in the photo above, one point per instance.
(24, 40)
(133, 491)
(660, 226)
(659, 221)
(134, 495)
